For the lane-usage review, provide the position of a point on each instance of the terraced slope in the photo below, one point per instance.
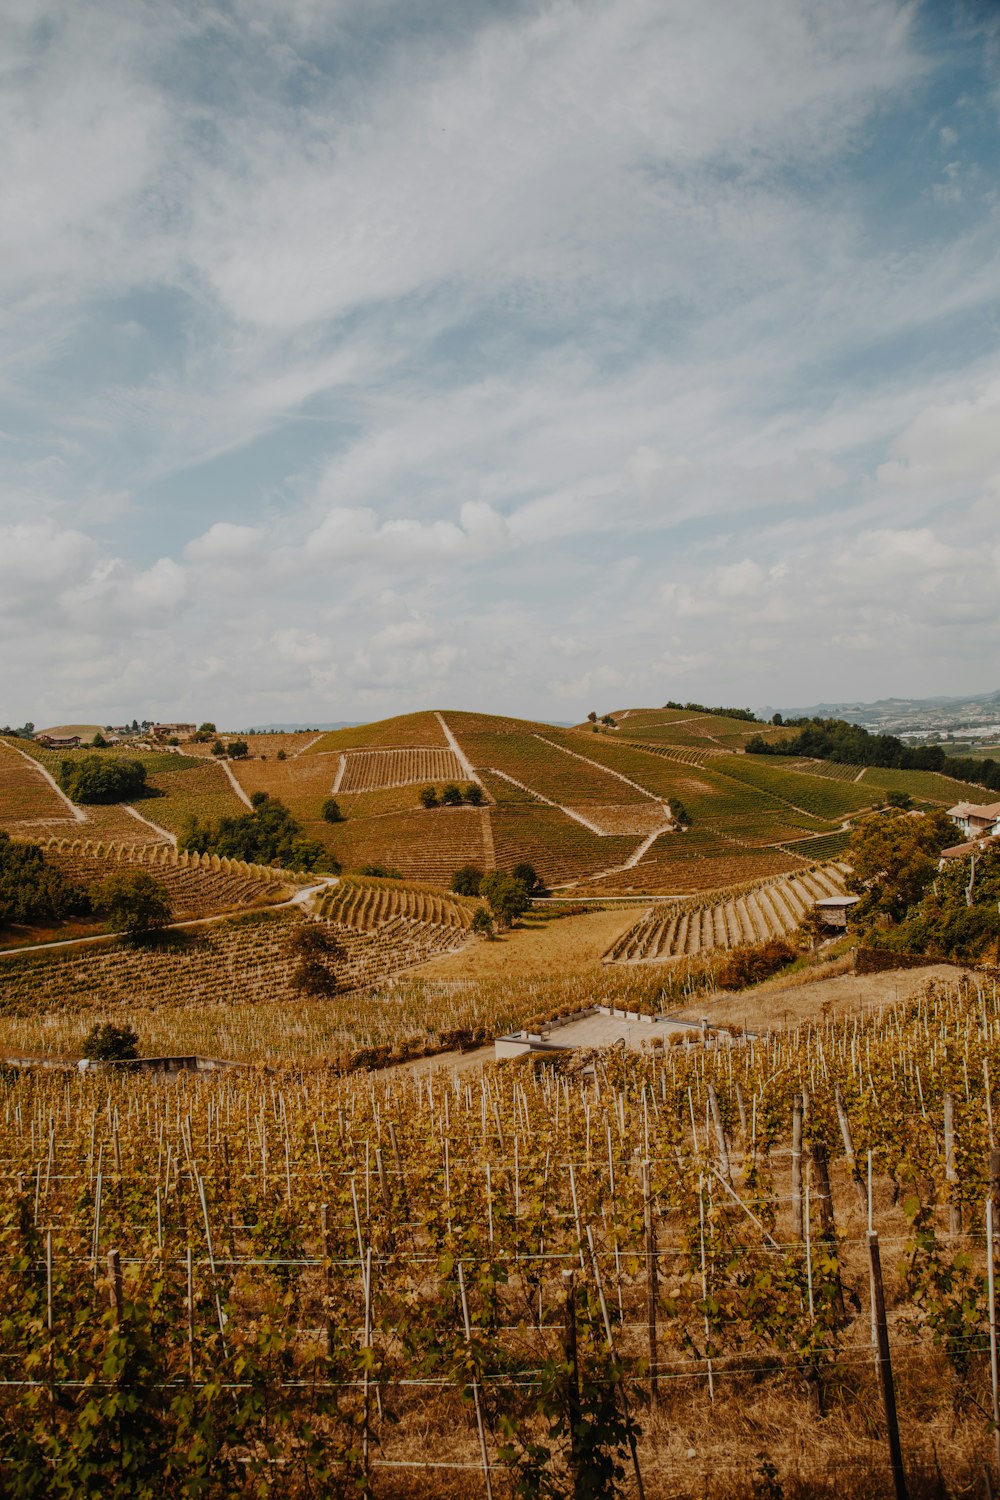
(769, 909)
(197, 886)
(29, 807)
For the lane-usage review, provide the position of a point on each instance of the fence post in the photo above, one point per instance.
(884, 1365)
(651, 1281)
(797, 1167)
(484, 1452)
(572, 1377)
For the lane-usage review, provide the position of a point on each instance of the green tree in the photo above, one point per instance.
(506, 897)
(467, 880)
(314, 949)
(95, 779)
(451, 796)
(428, 796)
(99, 742)
(894, 858)
(32, 890)
(281, 755)
(133, 902)
(218, 748)
(108, 1043)
(482, 923)
(529, 878)
(331, 811)
(474, 794)
(237, 749)
(267, 835)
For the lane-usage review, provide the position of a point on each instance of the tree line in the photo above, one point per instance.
(853, 745)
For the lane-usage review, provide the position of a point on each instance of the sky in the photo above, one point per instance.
(361, 356)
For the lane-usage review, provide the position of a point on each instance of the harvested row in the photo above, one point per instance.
(770, 909)
(422, 845)
(365, 905)
(369, 770)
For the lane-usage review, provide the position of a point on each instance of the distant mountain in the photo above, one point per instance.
(933, 715)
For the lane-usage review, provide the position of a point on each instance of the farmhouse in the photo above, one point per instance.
(58, 741)
(976, 820)
(161, 731)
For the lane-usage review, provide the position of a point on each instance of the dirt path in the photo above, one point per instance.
(570, 812)
(468, 769)
(164, 833)
(78, 812)
(244, 798)
(606, 769)
(303, 748)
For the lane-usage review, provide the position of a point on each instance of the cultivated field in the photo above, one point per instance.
(343, 1280)
(370, 770)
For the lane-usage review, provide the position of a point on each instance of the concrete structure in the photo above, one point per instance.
(976, 820)
(601, 1026)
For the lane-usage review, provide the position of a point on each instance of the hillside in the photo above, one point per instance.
(598, 810)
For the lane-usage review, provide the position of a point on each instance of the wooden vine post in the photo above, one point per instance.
(797, 1167)
(950, 1167)
(572, 1376)
(483, 1450)
(651, 1281)
(884, 1365)
(992, 1207)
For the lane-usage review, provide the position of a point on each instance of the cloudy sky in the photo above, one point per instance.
(360, 355)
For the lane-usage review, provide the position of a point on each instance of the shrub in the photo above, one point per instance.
(680, 814)
(482, 923)
(749, 965)
(218, 748)
(428, 796)
(451, 796)
(467, 880)
(281, 755)
(474, 794)
(98, 780)
(331, 812)
(380, 872)
(108, 1043)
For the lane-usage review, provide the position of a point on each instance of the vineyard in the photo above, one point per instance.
(682, 863)
(365, 904)
(27, 801)
(402, 732)
(195, 885)
(769, 909)
(559, 848)
(370, 770)
(740, 1271)
(420, 845)
(203, 791)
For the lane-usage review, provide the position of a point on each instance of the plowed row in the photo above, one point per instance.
(369, 770)
(771, 909)
(25, 795)
(193, 891)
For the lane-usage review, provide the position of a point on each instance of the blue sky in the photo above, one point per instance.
(359, 356)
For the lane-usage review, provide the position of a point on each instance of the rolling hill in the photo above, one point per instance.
(599, 810)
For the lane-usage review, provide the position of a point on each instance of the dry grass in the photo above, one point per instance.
(567, 945)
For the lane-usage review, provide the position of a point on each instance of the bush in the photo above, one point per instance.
(237, 749)
(96, 779)
(281, 755)
(380, 872)
(428, 796)
(108, 1043)
(749, 965)
(474, 794)
(680, 814)
(134, 903)
(331, 812)
(529, 878)
(467, 880)
(451, 796)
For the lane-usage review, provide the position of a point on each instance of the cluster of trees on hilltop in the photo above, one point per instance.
(851, 744)
(267, 835)
(94, 778)
(723, 713)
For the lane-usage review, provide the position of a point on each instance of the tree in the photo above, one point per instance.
(901, 800)
(99, 742)
(428, 796)
(467, 880)
(237, 749)
(218, 748)
(506, 897)
(134, 903)
(106, 1042)
(680, 814)
(529, 878)
(331, 811)
(451, 796)
(380, 872)
(314, 949)
(33, 891)
(207, 728)
(894, 858)
(281, 755)
(95, 779)
(474, 794)
(267, 835)
(592, 717)
(482, 923)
